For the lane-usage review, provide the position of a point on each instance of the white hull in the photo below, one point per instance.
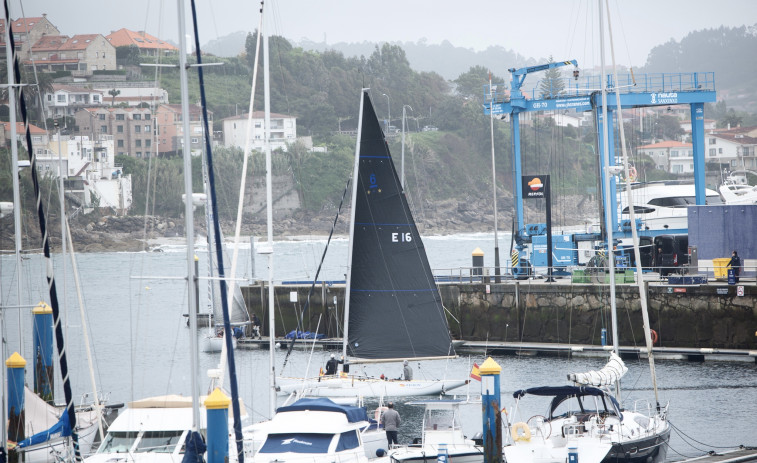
(213, 344)
(429, 453)
(738, 194)
(355, 386)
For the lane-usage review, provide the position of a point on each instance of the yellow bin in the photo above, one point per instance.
(720, 267)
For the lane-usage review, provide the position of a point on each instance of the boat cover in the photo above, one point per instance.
(353, 414)
(611, 372)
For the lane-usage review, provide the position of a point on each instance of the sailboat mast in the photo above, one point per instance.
(14, 167)
(355, 173)
(632, 218)
(189, 215)
(608, 213)
(269, 209)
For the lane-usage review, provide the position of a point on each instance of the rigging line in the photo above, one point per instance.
(317, 273)
(62, 358)
(219, 251)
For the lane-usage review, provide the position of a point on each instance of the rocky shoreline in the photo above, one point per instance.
(109, 233)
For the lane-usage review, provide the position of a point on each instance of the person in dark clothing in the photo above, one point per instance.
(391, 421)
(255, 326)
(331, 365)
(735, 264)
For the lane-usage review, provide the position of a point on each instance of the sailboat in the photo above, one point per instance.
(585, 421)
(393, 309)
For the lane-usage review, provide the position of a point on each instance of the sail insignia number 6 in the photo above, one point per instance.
(402, 237)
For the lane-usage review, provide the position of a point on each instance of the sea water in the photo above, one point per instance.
(134, 306)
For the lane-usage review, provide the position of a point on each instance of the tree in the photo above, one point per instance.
(552, 85)
(113, 93)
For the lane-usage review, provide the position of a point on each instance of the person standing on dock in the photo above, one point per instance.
(391, 421)
(735, 264)
(407, 371)
(255, 326)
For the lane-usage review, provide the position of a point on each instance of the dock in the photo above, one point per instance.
(735, 456)
(534, 349)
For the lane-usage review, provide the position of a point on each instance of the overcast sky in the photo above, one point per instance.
(534, 28)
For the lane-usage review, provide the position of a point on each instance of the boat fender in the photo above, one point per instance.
(655, 338)
(521, 432)
(378, 412)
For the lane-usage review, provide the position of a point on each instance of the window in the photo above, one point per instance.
(195, 140)
(147, 116)
(61, 98)
(734, 162)
(120, 144)
(49, 97)
(713, 152)
(148, 143)
(101, 117)
(720, 150)
(674, 154)
(37, 138)
(120, 129)
(97, 54)
(137, 117)
(104, 128)
(139, 143)
(137, 128)
(120, 117)
(713, 140)
(147, 129)
(139, 154)
(95, 98)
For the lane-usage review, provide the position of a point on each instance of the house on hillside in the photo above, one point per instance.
(735, 147)
(147, 44)
(283, 131)
(66, 100)
(671, 156)
(26, 32)
(170, 128)
(130, 129)
(81, 54)
(39, 136)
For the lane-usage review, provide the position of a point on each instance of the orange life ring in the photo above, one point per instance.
(655, 338)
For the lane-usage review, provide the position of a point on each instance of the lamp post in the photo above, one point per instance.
(388, 113)
(402, 168)
(497, 278)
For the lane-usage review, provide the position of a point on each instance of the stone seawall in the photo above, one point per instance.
(706, 316)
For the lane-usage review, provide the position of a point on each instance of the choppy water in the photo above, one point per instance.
(140, 342)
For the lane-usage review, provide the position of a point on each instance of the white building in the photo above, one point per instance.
(735, 147)
(283, 131)
(91, 176)
(671, 156)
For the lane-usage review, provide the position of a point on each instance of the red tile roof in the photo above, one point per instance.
(49, 43)
(20, 128)
(125, 37)
(79, 42)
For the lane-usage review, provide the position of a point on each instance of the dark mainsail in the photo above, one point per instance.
(395, 310)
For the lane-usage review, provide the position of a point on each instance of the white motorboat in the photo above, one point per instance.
(316, 430)
(442, 433)
(736, 189)
(662, 205)
(152, 430)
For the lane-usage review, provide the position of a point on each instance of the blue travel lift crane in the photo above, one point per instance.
(663, 89)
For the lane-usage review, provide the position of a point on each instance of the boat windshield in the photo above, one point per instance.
(159, 441)
(117, 442)
(297, 443)
(441, 420)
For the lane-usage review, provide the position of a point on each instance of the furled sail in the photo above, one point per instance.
(395, 309)
(611, 372)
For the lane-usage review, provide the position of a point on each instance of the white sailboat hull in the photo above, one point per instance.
(355, 386)
(213, 344)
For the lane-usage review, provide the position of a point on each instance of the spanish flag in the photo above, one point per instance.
(475, 373)
(342, 374)
(320, 373)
